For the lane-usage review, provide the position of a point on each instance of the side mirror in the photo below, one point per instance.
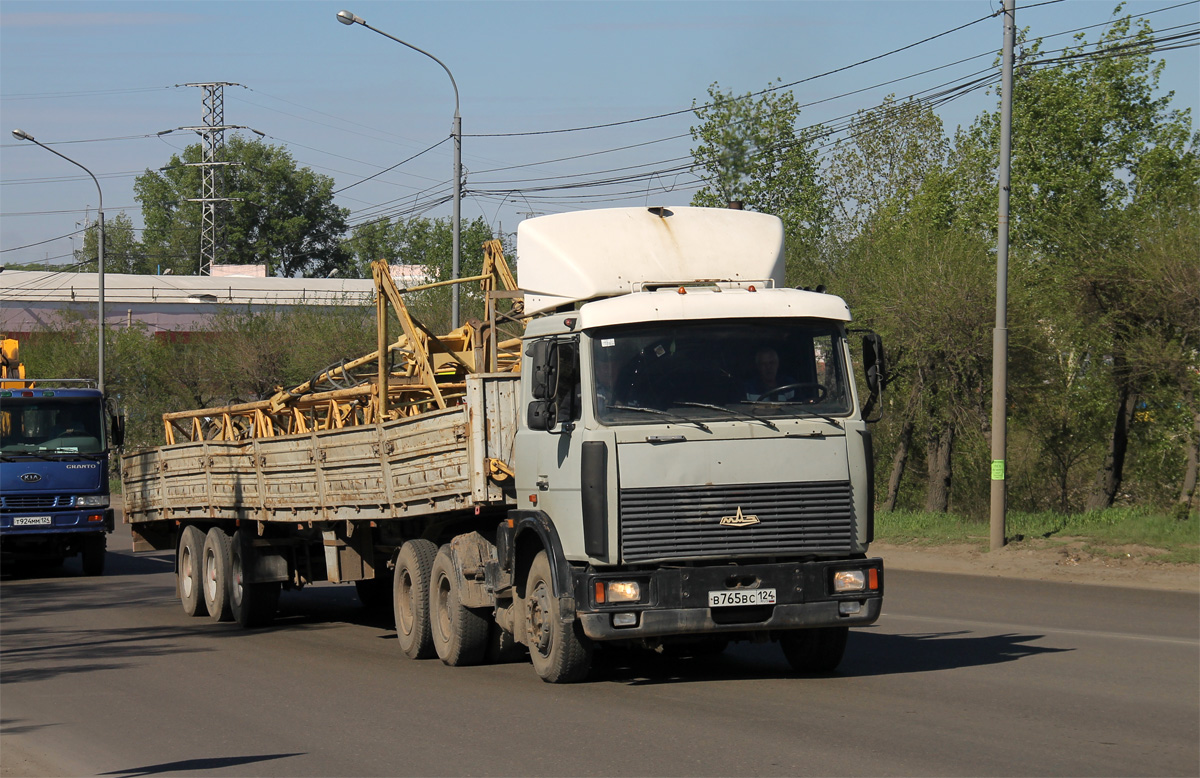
(873, 362)
(544, 358)
(542, 415)
(554, 382)
(118, 431)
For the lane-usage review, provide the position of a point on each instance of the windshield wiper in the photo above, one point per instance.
(803, 412)
(657, 412)
(739, 414)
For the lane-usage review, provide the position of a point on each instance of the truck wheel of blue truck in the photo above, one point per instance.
(252, 604)
(560, 653)
(215, 571)
(95, 549)
(410, 598)
(815, 651)
(188, 560)
(460, 635)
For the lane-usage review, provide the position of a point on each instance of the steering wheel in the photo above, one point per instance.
(821, 391)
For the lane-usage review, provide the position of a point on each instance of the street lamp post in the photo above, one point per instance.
(22, 135)
(345, 17)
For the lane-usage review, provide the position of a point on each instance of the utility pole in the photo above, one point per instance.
(212, 173)
(1000, 332)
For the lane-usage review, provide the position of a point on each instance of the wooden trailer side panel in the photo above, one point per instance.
(414, 466)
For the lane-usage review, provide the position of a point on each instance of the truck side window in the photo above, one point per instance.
(570, 404)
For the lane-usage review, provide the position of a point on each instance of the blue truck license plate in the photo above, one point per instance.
(31, 521)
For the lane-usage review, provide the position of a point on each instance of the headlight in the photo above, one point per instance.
(849, 581)
(618, 591)
(92, 501)
(624, 591)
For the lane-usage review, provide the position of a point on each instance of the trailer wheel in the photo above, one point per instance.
(460, 635)
(815, 651)
(95, 549)
(217, 561)
(560, 652)
(410, 598)
(190, 573)
(252, 604)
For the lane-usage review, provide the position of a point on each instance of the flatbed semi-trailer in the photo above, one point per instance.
(674, 454)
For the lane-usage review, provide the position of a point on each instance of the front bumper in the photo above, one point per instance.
(31, 523)
(675, 600)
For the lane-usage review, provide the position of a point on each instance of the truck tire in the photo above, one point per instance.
(251, 604)
(815, 651)
(410, 598)
(561, 653)
(216, 562)
(189, 564)
(95, 549)
(460, 635)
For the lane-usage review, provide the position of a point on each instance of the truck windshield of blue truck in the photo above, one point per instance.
(50, 425)
(712, 371)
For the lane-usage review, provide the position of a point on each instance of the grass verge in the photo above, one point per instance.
(1159, 536)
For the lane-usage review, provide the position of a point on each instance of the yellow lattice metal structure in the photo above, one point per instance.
(420, 370)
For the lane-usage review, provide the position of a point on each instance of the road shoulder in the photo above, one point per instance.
(1068, 563)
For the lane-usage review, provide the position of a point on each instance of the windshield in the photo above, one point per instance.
(44, 425)
(740, 368)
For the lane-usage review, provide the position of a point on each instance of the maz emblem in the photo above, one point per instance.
(739, 519)
(30, 478)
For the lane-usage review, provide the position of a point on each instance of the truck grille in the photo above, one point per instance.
(21, 501)
(685, 522)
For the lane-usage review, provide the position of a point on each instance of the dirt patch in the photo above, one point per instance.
(1069, 560)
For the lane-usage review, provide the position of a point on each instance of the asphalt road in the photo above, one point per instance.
(961, 676)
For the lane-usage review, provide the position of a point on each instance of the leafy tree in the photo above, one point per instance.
(920, 284)
(429, 244)
(371, 241)
(1097, 157)
(750, 150)
(123, 252)
(891, 150)
(282, 216)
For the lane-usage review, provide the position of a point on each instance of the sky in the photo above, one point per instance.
(555, 97)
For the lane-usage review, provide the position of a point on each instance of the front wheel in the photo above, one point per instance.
(815, 651)
(561, 653)
(95, 549)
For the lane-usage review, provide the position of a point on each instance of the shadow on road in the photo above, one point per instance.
(116, 564)
(53, 653)
(875, 653)
(197, 765)
(868, 654)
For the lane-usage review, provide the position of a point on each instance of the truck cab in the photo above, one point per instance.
(694, 439)
(54, 490)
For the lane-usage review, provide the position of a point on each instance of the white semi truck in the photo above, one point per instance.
(680, 459)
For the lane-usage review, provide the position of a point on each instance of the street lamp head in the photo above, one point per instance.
(22, 135)
(345, 17)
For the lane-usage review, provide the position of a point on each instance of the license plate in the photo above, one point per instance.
(730, 597)
(32, 521)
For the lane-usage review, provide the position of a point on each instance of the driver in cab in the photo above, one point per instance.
(766, 378)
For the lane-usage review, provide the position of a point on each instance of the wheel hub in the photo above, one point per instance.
(538, 619)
